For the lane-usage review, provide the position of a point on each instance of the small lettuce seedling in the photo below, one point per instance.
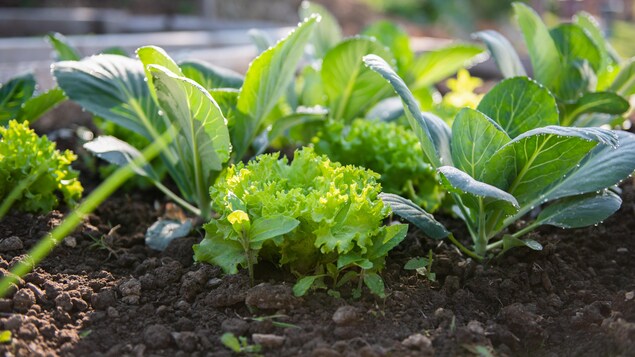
(574, 61)
(33, 172)
(317, 218)
(508, 158)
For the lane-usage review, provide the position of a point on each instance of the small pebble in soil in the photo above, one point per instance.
(266, 296)
(11, 243)
(345, 315)
(70, 242)
(23, 300)
(236, 326)
(417, 342)
(63, 300)
(186, 341)
(103, 299)
(28, 331)
(157, 336)
(131, 287)
(268, 340)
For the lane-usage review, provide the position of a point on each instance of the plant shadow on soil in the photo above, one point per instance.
(102, 292)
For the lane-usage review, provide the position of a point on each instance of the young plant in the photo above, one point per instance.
(19, 101)
(508, 158)
(574, 61)
(33, 172)
(114, 87)
(239, 344)
(315, 217)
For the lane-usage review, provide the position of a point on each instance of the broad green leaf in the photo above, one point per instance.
(431, 67)
(575, 44)
(210, 76)
(473, 191)
(240, 129)
(114, 88)
(416, 263)
(605, 166)
(528, 165)
(543, 52)
(503, 53)
(475, 138)
(327, 33)
(304, 284)
(270, 227)
(157, 56)
(36, 106)
(441, 137)
(270, 73)
(576, 79)
(413, 113)
(375, 284)
(312, 87)
(230, 341)
(414, 214)
(598, 102)
(260, 39)
(383, 243)
(624, 83)
(511, 242)
(396, 39)
(580, 211)
(282, 125)
(201, 122)
(350, 86)
(64, 51)
(215, 249)
(520, 104)
(13, 94)
(120, 153)
(592, 28)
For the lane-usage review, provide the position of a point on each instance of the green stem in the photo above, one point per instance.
(466, 216)
(480, 246)
(463, 249)
(176, 198)
(100, 194)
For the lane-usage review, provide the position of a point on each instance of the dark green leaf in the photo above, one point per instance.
(215, 249)
(580, 211)
(598, 102)
(472, 191)
(475, 138)
(13, 94)
(415, 215)
(543, 52)
(417, 121)
(270, 73)
(605, 166)
(520, 104)
(119, 153)
(503, 53)
(416, 263)
(383, 243)
(375, 284)
(511, 242)
(304, 284)
(389, 109)
(281, 125)
(210, 76)
(327, 32)
(575, 44)
(624, 83)
(528, 165)
(114, 88)
(35, 107)
(64, 51)
(351, 87)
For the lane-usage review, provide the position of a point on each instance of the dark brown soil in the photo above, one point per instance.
(574, 298)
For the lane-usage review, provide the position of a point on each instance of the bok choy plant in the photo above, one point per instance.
(509, 157)
(19, 100)
(155, 94)
(574, 61)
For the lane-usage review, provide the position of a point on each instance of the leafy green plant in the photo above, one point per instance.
(574, 61)
(508, 158)
(317, 218)
(33, 172)
(204, 121)
(423, 266)
(19, 101)
(388, 149)
(239, 344)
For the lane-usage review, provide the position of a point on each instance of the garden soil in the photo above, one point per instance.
(103, 293)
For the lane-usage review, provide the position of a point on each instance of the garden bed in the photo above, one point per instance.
(573, 298)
